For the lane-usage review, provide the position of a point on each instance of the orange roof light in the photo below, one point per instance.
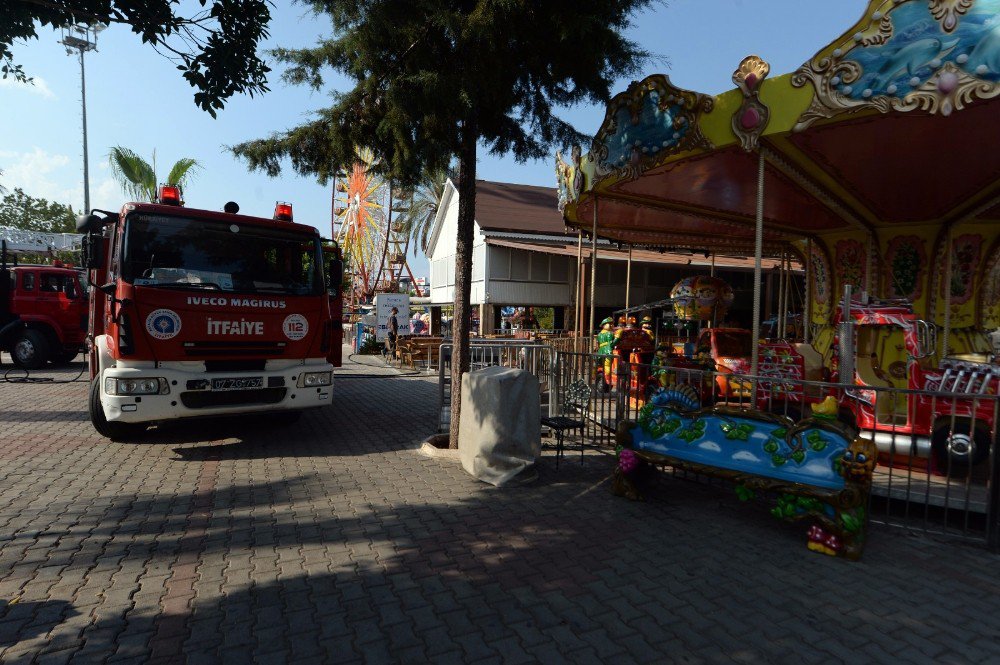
(283, 211)
(170, 195)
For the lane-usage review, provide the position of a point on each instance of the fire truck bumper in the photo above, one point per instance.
(143, 395)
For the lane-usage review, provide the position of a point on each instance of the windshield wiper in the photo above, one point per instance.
(272, 289)
(197, 286)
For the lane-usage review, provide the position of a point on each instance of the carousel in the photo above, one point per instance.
(876, 167)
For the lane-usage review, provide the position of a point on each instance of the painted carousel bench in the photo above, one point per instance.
(819, 471)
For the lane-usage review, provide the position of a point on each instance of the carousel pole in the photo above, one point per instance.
(628, 276)
(593, 266)
(807, 296)
(749, 122)
(757, 252)
(788, 295)
(868, 264)
(712, 271)
(778, 330)
(948, 268)
(577, 314)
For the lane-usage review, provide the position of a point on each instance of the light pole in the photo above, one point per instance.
(82, 37)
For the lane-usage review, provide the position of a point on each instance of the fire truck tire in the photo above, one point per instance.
(30, 350)
(113, 431)
(960, 447)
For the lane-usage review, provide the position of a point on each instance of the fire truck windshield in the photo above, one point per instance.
(178, 252)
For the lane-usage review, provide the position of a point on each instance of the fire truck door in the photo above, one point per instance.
(25, 292)
(335, 356)
(55, 302)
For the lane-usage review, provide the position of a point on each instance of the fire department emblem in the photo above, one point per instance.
(163, 324)
(295, 327)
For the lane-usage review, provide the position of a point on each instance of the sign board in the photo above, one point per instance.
(384, 302)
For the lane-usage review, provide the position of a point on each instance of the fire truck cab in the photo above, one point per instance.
(202, 313)
(43, 308)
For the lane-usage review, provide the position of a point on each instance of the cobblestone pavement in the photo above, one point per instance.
(335, 540)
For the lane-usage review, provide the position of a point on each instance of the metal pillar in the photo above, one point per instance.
(578, 274)
(593, 266)
(628, 276)
(86, 165)
(947, 295)
(807, 299)
(757, 252)
(80, 38)
(778, 329)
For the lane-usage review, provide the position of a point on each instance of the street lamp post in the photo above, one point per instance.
(80, 38)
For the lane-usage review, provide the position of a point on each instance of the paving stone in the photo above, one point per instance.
(333, 540)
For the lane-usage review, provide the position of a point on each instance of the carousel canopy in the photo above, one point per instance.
(893, 124)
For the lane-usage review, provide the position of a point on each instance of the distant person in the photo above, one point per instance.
(530, 322)
(392, 333)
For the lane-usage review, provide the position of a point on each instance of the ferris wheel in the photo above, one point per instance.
(375, 245)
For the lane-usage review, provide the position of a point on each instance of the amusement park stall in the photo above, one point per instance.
(876, 164)
(524, 256)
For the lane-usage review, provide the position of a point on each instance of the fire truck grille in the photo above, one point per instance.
(207, 399)
(232, 348)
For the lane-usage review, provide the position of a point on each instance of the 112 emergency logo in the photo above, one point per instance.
(295, 327)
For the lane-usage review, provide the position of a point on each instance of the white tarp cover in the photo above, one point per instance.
(499, 434)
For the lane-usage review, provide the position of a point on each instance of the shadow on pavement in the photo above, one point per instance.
(552, 572)
(42, 416)
(27, 619)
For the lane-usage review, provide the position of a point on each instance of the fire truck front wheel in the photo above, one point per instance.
(30, 350)
(957, 448)
(113, 431)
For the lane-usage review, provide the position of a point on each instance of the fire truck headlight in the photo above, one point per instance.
(315, 379)
(138, 386)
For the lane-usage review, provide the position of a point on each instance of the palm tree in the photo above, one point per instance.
(138, 178)
(418, 218)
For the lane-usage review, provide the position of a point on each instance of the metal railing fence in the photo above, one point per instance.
(531, 356)
(942, 479)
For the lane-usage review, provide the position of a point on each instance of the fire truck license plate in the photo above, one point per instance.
(238, 383)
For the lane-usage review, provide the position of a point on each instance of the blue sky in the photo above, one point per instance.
(137, 99)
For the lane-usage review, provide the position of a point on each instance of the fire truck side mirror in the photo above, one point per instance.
(335, 273)
(93, 251)
(89, 223)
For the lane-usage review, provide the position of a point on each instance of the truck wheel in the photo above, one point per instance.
(31, 350)
(959, 447)
(113, 431)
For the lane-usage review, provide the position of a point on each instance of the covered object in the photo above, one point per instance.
(499, 434)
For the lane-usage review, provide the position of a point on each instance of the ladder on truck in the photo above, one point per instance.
(20, 241)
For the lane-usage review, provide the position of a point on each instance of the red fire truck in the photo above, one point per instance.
(199, 313)
(43, 311)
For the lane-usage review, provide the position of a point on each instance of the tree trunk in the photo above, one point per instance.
(461, 322)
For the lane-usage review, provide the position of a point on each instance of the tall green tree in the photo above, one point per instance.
(21, 211)
(137, 177)
(436, 79)
(421, 208)
(214, 45)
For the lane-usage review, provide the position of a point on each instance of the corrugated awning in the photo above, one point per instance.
(642, 255)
